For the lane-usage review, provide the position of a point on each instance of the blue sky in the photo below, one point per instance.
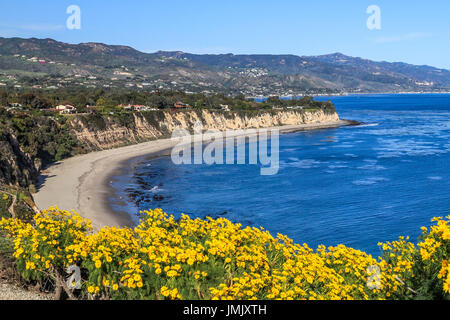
(411, 31)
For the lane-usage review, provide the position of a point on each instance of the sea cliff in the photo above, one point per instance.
(99, 133)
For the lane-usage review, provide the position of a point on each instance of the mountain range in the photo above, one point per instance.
(46, 63)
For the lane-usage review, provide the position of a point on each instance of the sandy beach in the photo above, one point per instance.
(81, 183)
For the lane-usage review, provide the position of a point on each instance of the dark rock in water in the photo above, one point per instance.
(133, 194)
(146, 203)
(152, 175)
(142, 183)
(140, 174)
(158, 197)
(145, 175)
(216, 215)
(353, 122)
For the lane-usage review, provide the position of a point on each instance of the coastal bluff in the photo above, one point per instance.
(21, 161)
(96, 132)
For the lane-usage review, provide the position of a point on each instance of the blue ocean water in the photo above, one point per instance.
(355, 185)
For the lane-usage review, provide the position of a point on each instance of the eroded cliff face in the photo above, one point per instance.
(16, 167)
(97, 133)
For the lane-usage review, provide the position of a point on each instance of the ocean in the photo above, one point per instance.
(353, 185)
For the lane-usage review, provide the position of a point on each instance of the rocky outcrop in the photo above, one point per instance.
(16, 167)
(138, 127)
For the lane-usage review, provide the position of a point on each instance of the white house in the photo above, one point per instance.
(66, 109)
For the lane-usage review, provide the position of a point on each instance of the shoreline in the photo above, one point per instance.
(83, 183)
(346, 94)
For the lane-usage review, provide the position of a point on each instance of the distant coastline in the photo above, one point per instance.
(344, 94)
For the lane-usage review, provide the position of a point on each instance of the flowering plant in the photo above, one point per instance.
(164, 258)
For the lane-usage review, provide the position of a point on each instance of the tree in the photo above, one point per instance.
(274, 100)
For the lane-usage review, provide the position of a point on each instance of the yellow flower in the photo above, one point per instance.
(137, 278)
(165, 291)
(172, 273)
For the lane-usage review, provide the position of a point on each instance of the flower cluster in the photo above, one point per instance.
(41, 246)
(164, 258)
(434, 250)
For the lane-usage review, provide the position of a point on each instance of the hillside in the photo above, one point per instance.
(46, 63)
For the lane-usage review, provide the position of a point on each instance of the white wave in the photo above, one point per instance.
(155, 189)
(337, 166)
(368, 125)
(371, 167)
(369, 181)
(435, 178)
(394, 148)
(302, 164)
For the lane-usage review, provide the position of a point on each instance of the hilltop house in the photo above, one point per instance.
(136, 107)
(179, 105)
(296, 107)
(14, 107)
(140, 108)
(66, 109)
